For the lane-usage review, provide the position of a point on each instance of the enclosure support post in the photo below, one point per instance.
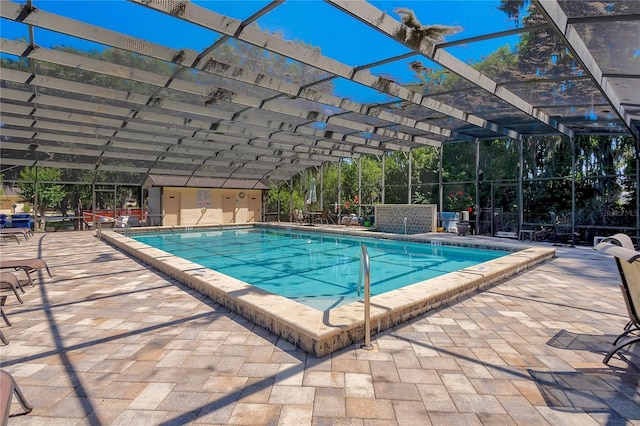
(339, 212)
(93, 204)
(573, 185)
(36, 203)
(520, 175)
(305, 189)
(409, 178)
(440, 189)
(291, 201)
(382, 179)
(477, 188)
(360, 186)
(638, 187)
(322, 186)
(493, 210)
(115, 201)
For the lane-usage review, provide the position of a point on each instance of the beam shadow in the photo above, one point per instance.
(63, 350)
(87, 299)
(555, 386)
(562, 305)
(86, 404)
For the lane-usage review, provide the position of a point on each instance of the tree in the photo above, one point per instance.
(41, 180)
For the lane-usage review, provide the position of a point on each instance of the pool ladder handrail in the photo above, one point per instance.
(125, 225)
(365, 272)
(404, 225)
(103, 220)
(117, 223)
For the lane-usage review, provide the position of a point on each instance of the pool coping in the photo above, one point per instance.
(324, 332)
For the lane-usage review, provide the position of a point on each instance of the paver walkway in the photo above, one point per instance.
(110, 341)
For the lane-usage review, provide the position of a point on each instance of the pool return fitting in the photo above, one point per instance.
(365, 272)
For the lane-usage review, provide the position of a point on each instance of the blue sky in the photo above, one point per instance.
(311, 21)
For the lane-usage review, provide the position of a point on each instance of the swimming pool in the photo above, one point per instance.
(321, 332)
(318, 270)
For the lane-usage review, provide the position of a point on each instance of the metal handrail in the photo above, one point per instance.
(365, 271)
(98, 224)
(106, 219)
(124, 225)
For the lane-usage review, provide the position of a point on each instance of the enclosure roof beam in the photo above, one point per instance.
(554, 14)
(377, 19)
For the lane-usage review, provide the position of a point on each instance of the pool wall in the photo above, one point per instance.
(321, 333)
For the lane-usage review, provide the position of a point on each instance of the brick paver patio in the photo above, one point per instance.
(110, 341)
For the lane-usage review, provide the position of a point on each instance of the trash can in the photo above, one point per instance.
(21, 220)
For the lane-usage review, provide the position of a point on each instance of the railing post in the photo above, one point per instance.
(364, 265)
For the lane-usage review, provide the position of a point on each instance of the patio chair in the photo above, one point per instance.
(628, 263)
(298, 216)
(324, 217)
(8, 280)
(27, 265)
(562, 235)
(7, 283)
(4, 237)
(18, 232)
(9, 388)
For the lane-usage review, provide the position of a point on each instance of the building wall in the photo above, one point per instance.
(211, 206)
(8, 201)
(9, 198)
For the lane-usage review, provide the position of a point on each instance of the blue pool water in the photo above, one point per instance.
(313, 267)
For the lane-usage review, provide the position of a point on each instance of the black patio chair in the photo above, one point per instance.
(562, 235)
(627, 259)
